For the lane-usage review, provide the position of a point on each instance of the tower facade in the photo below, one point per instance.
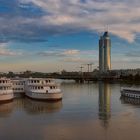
(101, 54)
(104, 53)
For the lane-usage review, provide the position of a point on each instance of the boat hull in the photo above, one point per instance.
(130, 94)
(6, 97)
(44, 96)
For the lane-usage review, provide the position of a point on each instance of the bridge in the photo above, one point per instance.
(81, 77)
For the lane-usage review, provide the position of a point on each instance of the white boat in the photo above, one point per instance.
(130, 92)
(18, 87)
(6, 92)
(42, 89)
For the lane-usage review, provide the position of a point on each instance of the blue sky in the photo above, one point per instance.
(52, 35)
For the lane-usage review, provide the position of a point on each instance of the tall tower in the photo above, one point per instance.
(104, 53)
(107, 53)
(101, 54)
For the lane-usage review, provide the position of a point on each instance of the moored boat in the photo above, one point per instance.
(132, 101)
(42, 89)
(130, 92)
(6, 92)
(18, 87)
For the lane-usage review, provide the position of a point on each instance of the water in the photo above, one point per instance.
(87, 112)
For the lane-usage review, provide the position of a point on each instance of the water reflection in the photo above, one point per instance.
(128, 100)
(104, 103)
(39, 107)
(6, 109)
(29, 106)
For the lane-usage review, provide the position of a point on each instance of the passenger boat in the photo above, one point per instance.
(132, 101)
(42, 89)
(6, 92)
(130, 92)
(18, 87)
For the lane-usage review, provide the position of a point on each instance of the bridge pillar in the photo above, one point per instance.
(79, 80)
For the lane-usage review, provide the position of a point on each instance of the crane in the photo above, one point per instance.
(89, 65)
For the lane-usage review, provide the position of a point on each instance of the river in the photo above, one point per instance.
(92, 111)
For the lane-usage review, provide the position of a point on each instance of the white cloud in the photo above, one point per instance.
(78, 60)
(71, 56)
(71, 52)
(59, 53)
(33, 20)
(92, 15)
(4, 51)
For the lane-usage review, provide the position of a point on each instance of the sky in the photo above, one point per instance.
(56, 35)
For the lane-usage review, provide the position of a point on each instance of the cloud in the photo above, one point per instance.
(77, 60)
(59, 53)
(133, 54)
(71, 56)
(35, 20)
(51, 54)
(4, 51)
(71, 52)
(68, 53)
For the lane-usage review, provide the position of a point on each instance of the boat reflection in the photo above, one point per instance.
(31, 107)
(38, 107)
(6, 109)
(129, 100)
(104, 102)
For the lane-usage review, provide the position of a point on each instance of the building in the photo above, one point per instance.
(104, 53)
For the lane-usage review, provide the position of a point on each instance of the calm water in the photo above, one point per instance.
(87, 112)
